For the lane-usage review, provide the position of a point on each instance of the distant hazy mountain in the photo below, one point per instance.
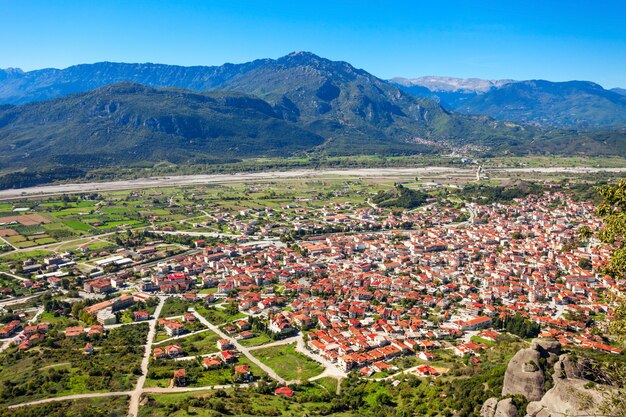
(554, 104)
(451, 92)
(452, 84)
(17, 87)
(578, 104)
(621, 91)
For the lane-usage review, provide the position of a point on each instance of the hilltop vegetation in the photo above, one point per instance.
(487, 194)
(126, 123)
(400, 197)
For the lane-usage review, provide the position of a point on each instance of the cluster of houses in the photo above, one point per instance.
(227, 356)
(381, 291)
(370, 294)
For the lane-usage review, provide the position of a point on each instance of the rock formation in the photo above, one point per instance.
(502, 408)
(576, 390)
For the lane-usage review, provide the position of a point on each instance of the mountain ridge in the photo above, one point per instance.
(299, 103)
(565, 104)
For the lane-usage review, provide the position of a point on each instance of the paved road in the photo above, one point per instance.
(183, 232)
(19, 300)
(13, 276)
(8, 342)
(244, 350)
(6, 242)
(133, 408)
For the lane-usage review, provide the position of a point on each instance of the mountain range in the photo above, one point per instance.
(571, 104)
(451, 92)
(112, 114)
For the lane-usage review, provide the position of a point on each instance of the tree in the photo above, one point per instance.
(584, 263)
(585, 233)
(612, 210)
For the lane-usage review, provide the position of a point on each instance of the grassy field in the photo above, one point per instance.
(74, 224)
(22, 256)
(174, 306)
(218, 316)
(258, 340)
(288, 363)
(197, 344)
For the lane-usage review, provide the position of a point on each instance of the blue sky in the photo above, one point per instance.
(549, 39)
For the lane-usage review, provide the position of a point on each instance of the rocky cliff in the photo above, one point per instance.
(555, 385)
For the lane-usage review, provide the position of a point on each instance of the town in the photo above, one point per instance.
(183, 291)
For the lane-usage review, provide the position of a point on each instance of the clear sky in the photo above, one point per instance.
(549, 39)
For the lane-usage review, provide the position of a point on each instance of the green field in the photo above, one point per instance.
(258, 340)
(77, 225)
(288, 363)
(197, 344)
(174, 306)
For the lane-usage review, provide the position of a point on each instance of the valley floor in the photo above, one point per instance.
(47, 190)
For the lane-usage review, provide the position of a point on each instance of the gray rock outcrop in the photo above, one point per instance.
(568, 397)
(574, 392)
(524, 375)
(489, 408)
(503, 408)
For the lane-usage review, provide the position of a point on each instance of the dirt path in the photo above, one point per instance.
(72, 397)
(133, 408)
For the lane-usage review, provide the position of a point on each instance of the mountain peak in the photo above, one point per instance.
(302, 54)
(11, 73)
(301, 57)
